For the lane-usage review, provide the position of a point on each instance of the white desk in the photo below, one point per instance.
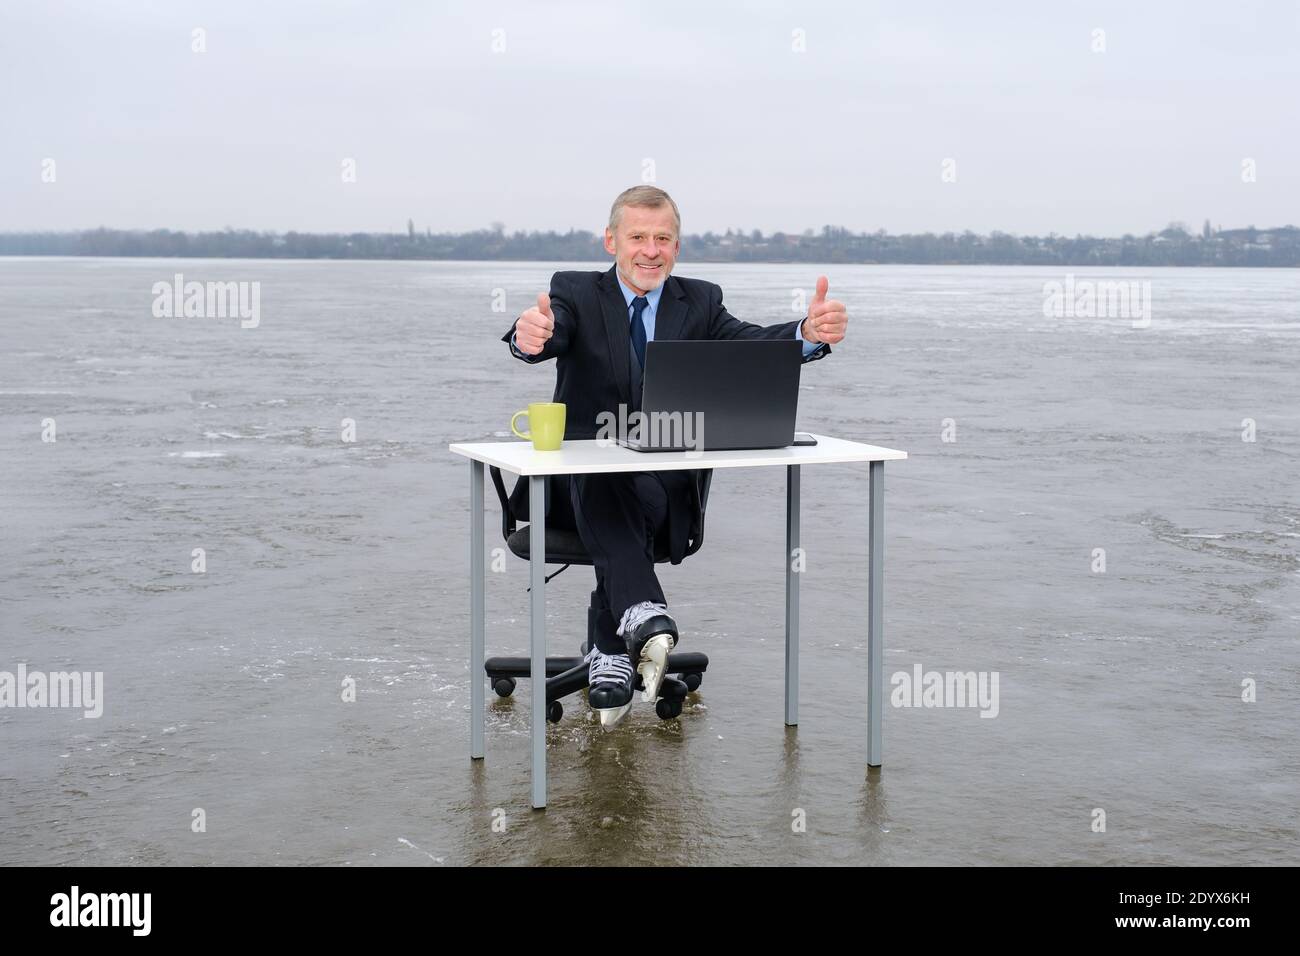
(591, 457)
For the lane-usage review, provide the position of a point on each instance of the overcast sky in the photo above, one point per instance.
(1047, 135)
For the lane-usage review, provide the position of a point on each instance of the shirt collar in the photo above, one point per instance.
(652, 296)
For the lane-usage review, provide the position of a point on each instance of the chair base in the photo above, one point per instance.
(568, 675)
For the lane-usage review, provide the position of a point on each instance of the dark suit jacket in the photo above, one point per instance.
(595, 369)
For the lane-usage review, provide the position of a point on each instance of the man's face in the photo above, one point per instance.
(645, 246)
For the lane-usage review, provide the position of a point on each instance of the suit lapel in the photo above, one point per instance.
(671, 314)
(619, 338)
(670, 318)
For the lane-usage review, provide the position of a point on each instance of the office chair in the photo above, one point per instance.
(568, 675)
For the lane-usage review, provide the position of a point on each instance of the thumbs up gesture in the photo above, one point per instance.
(535, 326)
(827, 318)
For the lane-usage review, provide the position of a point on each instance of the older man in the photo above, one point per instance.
(596, 325)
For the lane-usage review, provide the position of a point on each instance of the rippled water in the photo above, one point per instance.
(329, 560)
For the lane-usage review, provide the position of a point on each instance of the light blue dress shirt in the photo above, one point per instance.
(648, 317)
(648, 313)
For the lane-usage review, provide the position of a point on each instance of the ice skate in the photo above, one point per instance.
(610, 680)
(650, 634)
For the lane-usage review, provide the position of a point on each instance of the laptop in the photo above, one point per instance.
(718, 394)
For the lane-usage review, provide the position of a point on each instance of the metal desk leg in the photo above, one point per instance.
(537, 630)
(476, 610)
(876, 615)
(791, 596)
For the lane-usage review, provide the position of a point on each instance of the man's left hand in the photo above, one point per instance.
(827, 320)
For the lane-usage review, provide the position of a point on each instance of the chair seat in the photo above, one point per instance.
(564, 546)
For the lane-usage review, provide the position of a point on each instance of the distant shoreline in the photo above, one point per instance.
(604, 264)
(1276, 247)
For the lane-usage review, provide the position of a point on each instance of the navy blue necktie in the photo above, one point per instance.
(638, 328)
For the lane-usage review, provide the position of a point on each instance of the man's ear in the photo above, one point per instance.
(609, 241)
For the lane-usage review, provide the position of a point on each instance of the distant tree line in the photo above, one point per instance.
(1172, 246)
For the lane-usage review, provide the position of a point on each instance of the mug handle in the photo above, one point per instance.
(514, 418)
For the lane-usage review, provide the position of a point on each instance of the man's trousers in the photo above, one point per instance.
(617, 516)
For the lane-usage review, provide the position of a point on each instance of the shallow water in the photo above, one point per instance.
(329, 560)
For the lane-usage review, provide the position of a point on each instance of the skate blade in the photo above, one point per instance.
(611, 717)
(654, 665)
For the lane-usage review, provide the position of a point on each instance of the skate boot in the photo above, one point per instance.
(650, 633)
(610, 681)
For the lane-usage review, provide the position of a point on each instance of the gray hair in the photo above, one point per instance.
(647, 196)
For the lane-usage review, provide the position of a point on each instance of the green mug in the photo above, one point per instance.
(545, 425)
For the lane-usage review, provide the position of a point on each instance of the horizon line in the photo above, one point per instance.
(808, 232)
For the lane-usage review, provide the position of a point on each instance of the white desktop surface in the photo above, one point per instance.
(592, 457)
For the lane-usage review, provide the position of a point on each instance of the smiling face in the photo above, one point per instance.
(644, 246)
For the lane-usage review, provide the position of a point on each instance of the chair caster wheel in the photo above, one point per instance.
(692, 681)
(554, 711)
(504, 686)
(668, 709)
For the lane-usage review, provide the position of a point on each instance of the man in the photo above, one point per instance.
(596, 325)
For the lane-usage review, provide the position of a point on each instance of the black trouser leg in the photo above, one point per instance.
(616, 516)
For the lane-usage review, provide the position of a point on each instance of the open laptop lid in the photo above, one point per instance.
(720, 394)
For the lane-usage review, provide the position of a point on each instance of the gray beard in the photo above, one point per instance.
(663, 277)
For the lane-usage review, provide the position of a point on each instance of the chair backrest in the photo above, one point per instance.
(704, 480)
(507, 516)
(702, 485)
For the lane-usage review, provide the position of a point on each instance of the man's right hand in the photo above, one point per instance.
(535, 326)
